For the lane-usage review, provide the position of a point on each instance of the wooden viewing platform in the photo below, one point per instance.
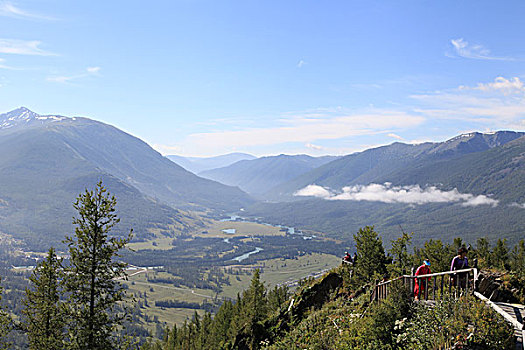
(435, 285)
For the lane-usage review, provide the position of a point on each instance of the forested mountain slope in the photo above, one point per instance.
(382, 164)
(259, 175)
(46, 161)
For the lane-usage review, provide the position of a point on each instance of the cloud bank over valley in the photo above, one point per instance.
(386, 193)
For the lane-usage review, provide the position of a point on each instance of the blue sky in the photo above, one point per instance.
(201, 78)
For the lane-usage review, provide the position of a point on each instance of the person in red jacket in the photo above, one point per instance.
(419, 288)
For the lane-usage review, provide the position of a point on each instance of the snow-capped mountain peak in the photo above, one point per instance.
(24, 117)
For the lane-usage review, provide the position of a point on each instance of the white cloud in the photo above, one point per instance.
(167, 149)
(23, 47)
(300, 64)
(314, 191)
(386, 193)
(4, 66)
(500, 84)
(517, 205)
(306, 129)
(93, 70)
(7, 9)
(474, 51)
(395, 136)
(64, 79)
(314, 147)
(494, 105)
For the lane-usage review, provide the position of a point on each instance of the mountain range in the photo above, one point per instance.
(199, 164)
(258, 176)
(399, 163)
(471, 185)
(46, 161)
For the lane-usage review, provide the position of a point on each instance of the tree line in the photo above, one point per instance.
(73, 303)
(76, 302)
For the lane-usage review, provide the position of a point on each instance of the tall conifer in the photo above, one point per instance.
(43, 312)
(5, 326)
(92, 275)
(371, 259)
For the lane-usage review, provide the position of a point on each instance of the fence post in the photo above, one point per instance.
(412, 286)
(442, 284)
(475, 281)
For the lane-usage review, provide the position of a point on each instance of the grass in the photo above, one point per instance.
(142, 290)
(275, 271)
(214, 229)
(158, 243)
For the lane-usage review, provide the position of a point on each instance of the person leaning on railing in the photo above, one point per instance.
(459, 262)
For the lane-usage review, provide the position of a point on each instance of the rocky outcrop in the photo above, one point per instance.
(491, 285)
(316, 295)
(309, 297)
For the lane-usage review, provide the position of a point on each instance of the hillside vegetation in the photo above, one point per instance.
(334, 313)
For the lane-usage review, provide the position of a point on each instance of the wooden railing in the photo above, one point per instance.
(431, 286)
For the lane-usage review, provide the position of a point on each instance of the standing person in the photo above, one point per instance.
(460, 262)
(421, 283)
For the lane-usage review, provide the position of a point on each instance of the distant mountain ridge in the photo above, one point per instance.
(386, 163)
(259, 175)
(491, 166)
(199, 164)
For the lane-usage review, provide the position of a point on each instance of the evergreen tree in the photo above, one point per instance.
(205, 332)
(371, 259)
(483, 252)
(399, 252)
(500, 254)
(44, 313)
(92, 273)
(518, 258)
(456, 245)
(5, 326)
(221, 325)
(440, 255)
(277, 297)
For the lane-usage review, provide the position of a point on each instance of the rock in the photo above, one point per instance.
(490, 284)
(316, 295)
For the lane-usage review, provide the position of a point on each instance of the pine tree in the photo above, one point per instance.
(518, 258)
(483, 252)
(500, 254)
(399, 251)
(255, 309)
(277, 297)
(440, 255)
(91, 278)
(371, 259)
(44, 313)
(205, 332)
(5, 326)
(221, 325)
